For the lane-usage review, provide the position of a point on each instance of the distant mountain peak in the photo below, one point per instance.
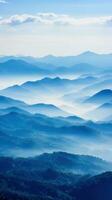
(89, 53)
(15, 61)
(104, 92)
(102, 96)
(49, 56)
(107, 91)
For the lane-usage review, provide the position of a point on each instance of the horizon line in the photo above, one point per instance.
(54, 55)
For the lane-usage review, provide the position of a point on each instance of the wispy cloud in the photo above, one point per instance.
(3, 1)
(55, 19)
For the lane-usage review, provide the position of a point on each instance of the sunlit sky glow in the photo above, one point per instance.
(66, 27)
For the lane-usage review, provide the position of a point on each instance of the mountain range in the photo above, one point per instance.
(89, 57)
(87, 62)
(12, 105)
(86, 57)
(56, 127)
(26, 131)
(46, 88)
(20, 67)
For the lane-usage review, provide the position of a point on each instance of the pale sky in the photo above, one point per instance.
(64, 27)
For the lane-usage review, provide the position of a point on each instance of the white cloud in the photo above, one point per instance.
(3, 1)
(55, 19)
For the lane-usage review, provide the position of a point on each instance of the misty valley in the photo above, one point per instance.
(56, 127)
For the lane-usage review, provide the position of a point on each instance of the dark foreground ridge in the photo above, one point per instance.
(55, 176)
